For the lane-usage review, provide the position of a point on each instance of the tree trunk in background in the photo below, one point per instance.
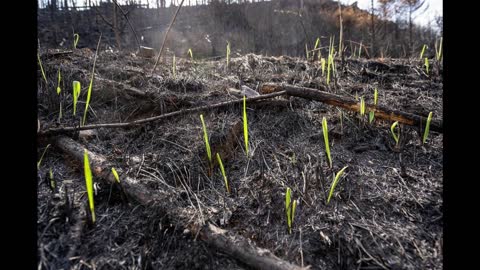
(115, 27)
(373, 31)
(410, 32)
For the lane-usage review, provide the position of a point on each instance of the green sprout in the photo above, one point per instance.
(371, 116)
(362, 106)
(228, 53)
(330, 58)
(41, 69)
(395, 136)
(115, 174)
(375, 97)
(205, 137)
(354, 51)
(76, 37)
(438, 49)
(190, 53)
(245, 124)
(325, 137)
(317, 43)
(53, 184)
(335, 182)
(174, 67)
(40, 161)
(322, 61)
(427, 127)
(76, 95)
(306, 51)
(89, 184)
(227, 186)
(89, 93)
(427, 65)
(290, 208)
(423, 51)
(58, 85)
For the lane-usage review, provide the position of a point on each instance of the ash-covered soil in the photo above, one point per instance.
(386, 212)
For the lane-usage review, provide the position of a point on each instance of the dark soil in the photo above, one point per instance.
(386, 212)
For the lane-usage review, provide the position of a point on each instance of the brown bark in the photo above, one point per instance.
(350, 104)
(229, 243)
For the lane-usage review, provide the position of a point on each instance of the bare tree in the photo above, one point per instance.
(412, 6)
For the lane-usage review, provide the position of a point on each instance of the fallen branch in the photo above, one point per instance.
(229, 243)
(351, 104)
(53, 131)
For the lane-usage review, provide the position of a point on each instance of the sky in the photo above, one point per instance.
(435, 8)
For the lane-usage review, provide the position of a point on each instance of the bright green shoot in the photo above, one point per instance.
(58, 85)
(40, 161)
(438, 49)
(115, 174)
(423, 50)
(290, 208)
(228, 53)
(322, 61)
(362, 106)
(325, 137)
(89, 93)
(76, 37)
(371, 116)
(227, 186)
(190, 53)
(375, 96)
(397, 135)
(427, 65)
(174, 67)
(205, 137)
(317, 43)
(41, 69)
(245, 124)
(427, 127)
(89, 183)
(335, 182)
(76, 95)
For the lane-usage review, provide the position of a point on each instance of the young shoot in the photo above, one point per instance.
(205, 137)
(427, 128)
(53, 184)
(362, 106)
(41, 69)
(89, 92)
(190, 53)
(375, 96)
(115, 174)
(427, 65)
(325, 137)
(306, 51)
(423, 51)
(222, 169)
(245, 125)
(290, 208)
(322, 61)
(360, 50)
(40, 161)
(228, 53)
(336, 178)
(438, 49)
(397, 135)
(317, 43)
(76, 95)
(58, 84)
(76, 37)
(89, 183)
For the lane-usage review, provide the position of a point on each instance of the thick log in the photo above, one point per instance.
(351, 104)
(221, 240)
